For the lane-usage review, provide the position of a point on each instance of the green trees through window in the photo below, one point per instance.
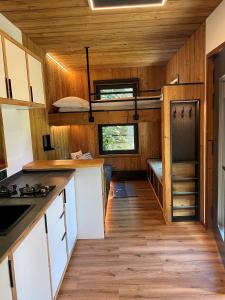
(118, 138)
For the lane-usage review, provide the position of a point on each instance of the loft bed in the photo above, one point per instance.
(129, 109)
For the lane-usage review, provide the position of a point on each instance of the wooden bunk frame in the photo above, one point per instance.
(99, 116)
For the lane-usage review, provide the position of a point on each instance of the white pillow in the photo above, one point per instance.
(71, 102)
(76, 155)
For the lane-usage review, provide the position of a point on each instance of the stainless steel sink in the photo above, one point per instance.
(10, 215)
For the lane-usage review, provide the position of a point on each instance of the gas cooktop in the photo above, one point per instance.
(27, 191)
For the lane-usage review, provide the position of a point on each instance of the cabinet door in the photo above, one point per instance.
(5, 287)
(71, 215)
(3, 91)
(31, 266)
(56, 241)
(36, 80)
(17, 71)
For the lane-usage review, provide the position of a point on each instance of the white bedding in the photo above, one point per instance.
(120, 105)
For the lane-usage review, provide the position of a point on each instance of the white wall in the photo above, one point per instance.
(215, 28)
(16, 124)
(10, 29)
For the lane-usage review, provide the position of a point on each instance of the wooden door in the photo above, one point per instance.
(5, 286)
(56, 241)
(218, 157)
(31, 267)
(71, 215)
(17, 71)
(36, 80)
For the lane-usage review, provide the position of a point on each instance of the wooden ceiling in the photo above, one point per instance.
(118, 38)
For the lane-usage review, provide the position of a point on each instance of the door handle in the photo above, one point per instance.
(63, 237)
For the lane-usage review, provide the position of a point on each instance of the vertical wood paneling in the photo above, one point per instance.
(189, 61)
(85, 138)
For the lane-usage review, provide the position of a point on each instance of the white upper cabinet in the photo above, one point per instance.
(36, 80)
(71, 215)
(5, 286)
(31, 266)
(17, 71)
(3, 89)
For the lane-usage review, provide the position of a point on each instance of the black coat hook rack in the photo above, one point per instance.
(182, 113)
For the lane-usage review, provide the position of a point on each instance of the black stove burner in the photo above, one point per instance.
(27, 191)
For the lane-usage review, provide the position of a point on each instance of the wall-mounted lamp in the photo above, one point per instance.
(47, 143)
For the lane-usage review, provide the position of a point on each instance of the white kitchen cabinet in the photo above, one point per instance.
(5, 286)
(17, 71)
(31, 266)
(56, 241)
(71, 215)
(36, 80)
(3, 89)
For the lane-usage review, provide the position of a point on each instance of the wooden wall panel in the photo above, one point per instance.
(66, 139)
(85, 137)
(189, 61)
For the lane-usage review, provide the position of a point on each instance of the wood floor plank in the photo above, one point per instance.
(142, 258)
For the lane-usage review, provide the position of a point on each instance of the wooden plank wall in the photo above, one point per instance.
(66, 139)
(189, 61)
(85, 137)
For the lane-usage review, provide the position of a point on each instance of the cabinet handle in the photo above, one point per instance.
(10, 89)
(63, 237)
(46, 224)
(31, 93)
(64, 196)
(62, 215)
(10, 273)
(7, 87)
(60, 193)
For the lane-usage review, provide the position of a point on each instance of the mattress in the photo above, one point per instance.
(117, 105)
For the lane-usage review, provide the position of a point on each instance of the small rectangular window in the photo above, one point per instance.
(118, 139)
(116, 89)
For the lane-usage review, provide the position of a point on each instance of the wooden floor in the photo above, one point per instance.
(142, 258)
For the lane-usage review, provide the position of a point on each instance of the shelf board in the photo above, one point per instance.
(184, 193)
(183, 179)
(4, 101)
(184, 207)
(186, 162)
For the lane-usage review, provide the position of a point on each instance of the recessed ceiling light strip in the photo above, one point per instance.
(60, 65)
(91, 3)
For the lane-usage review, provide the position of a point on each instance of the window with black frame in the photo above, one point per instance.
(118, 139)
(116, 89)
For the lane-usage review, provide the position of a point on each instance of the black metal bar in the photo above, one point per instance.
(126, 92)
(126, 100)
(136, 116)
(91, 118)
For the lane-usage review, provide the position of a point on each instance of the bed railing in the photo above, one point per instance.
(135, 98)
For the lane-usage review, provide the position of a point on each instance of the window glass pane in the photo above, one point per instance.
(118, 138)
(113, 93)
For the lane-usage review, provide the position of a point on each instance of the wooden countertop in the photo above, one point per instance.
(64, 164)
